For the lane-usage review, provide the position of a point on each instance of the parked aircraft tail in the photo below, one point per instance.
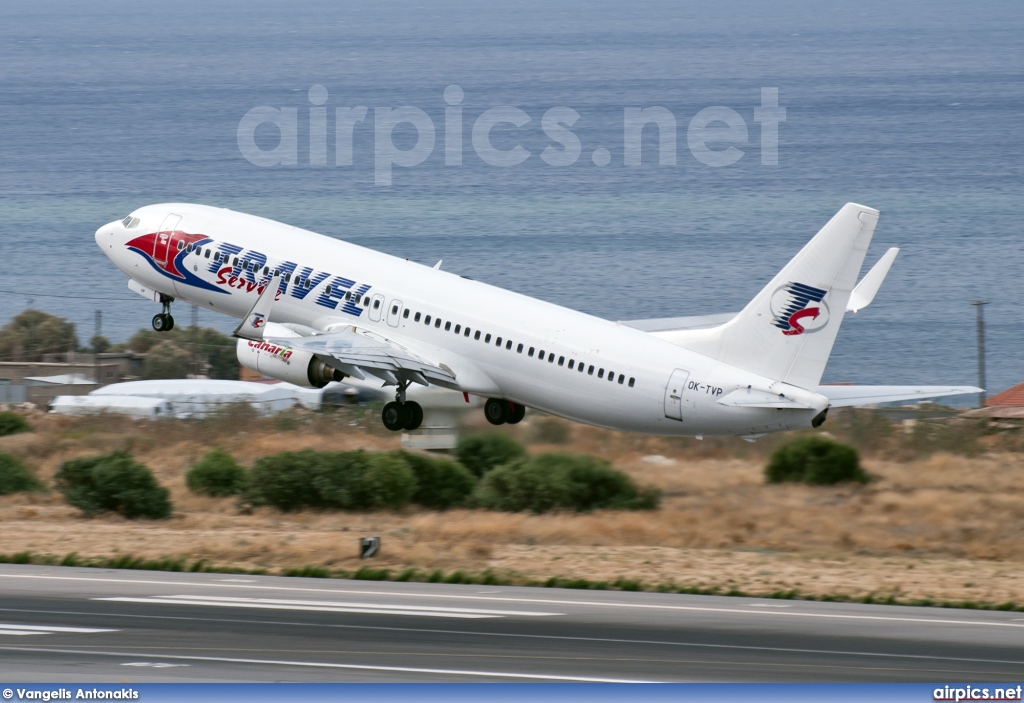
(787, 331)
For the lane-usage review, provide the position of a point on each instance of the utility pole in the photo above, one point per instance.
(979, 306)
(195, 341)
(95, 354)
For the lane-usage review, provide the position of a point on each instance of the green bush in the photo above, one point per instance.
(216, 474)
(14, 477)
(12, 423)
(561, 481)
(440, 483)
(481, 453)
(339, 479)
(389, 482)
(113, 483)
(814, 460)
(286, 481)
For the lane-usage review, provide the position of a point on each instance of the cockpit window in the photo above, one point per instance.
(130, 222)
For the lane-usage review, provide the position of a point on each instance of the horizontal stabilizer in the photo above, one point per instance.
(675, 324)
(751, 398)
(851, 396)
(865, 291)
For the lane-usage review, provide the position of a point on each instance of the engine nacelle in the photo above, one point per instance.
(286, 364)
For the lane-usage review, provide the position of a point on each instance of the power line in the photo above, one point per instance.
(71, 297)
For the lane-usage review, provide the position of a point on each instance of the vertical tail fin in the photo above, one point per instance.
(786, 333)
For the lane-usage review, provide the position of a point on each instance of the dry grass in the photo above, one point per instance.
(931, 525)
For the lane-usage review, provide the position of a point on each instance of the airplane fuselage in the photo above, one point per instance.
(498, 343)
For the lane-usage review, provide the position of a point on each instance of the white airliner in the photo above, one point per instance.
(314, 309)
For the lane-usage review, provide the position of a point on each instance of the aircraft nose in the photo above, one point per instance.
(105, 236)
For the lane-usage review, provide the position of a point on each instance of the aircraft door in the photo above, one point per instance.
(376, 307)
(395, 313)
(674, 394)
(163, 244)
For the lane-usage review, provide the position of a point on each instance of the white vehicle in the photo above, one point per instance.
(315, 309)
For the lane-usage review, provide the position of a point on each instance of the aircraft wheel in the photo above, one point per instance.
(393, 416)
(496, 411)
(170, 323)
(160, 323)
(415, 411)
(516, 414)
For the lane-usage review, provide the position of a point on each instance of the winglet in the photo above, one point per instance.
(865, 291)
(252, 325)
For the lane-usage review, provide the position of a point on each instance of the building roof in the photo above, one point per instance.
(67, 379)
(1013, 396)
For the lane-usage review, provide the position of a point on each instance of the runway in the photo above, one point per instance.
(93, 625)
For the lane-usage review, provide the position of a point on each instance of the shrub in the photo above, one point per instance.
(12, 423)
(389, 482)
(551, 430)
(552, 481)
(440, 483)
(113, 483)
(338, 478)
(286, 481)
(481, 453)
(814, 460)
(14, 477)
(216, 474)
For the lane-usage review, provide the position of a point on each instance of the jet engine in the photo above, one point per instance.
(286, 364)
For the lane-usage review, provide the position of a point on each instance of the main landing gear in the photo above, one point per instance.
(499, 412)
(164, 322)
(402, 414)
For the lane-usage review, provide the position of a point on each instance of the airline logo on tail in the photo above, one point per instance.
(799, 308)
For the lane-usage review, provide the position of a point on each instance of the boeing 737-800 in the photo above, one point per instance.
(315, 309)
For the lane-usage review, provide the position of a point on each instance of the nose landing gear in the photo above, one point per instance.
(164, 322)
(401, 414)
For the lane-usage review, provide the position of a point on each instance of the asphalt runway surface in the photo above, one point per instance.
(96, 625)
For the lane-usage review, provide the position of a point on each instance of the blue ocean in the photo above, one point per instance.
(914, 108)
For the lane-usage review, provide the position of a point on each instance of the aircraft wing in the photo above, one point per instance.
(354, 351)
(851, 396)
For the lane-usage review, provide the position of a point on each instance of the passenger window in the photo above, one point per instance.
(622, 379)
(519, 349)
(417, 317)
(561, 360)
(189, 248)
(497, 342)
(541, 355)
(530, 353)
(328, 290)
(458, 329)
(611, 376)
(181, 245)
(233, 263)
(508, 344)
(600, 373)
(466, 333)
(487, 339)
(287, 278)
(551, 358)
(394, 309)
(581, 367)
(427, 320)
(405, 315)
(310, 285)
(477, 335)
(207, 253)
(590, 371)
(632, 381)
(199, 251)
(266, 270)
(447, 326)
(572, 363)
(366, 302)
(437, 323)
